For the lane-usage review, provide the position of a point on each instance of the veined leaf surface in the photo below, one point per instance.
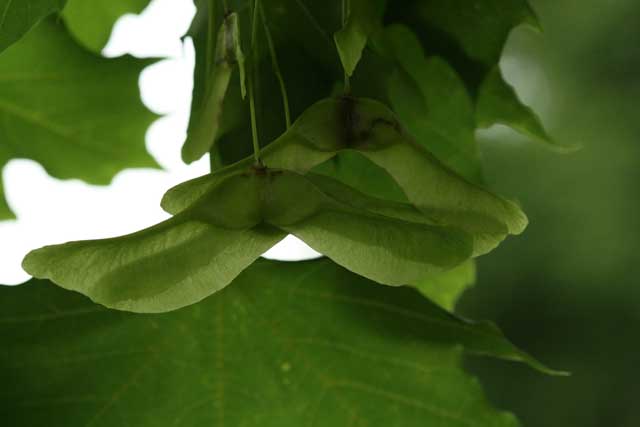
(91, 22)
(471, 37)
(288, 344)
(17, 17)
(79, 118)
(433, 103)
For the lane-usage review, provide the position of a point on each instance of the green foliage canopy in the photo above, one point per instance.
(380, 172)
(287, 344)
(18, 17)
(80, 117)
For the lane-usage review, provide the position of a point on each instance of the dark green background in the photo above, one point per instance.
(567, 289)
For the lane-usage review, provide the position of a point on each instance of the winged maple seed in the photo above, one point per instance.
(228, 55)
(337, 125)
(204, 247)
(241, 211)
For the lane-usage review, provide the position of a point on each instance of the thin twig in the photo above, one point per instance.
(313, 20)
(346, 10)
(276, 68)
(252, 74)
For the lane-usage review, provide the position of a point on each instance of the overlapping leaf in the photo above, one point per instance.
(471, 38)
(498, 104)
(90, 22)
(80, 117)
(433, 103)
(17, 17)
(478, 31)
(288, 344)
(203, 248)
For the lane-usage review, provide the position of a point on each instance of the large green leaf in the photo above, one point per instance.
(288, 344)
(200, 250)
(80, 117)
(433, 103)
(90, 22)
(472, 38)
(346, 124)
(469, 36)
(17, 17)
(478, 30)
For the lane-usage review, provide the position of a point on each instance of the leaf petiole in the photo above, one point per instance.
(251, 81)
(346, 9)
(276, 68)
(213, 152)
(210, 42)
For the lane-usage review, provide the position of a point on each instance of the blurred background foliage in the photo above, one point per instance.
(567, 290)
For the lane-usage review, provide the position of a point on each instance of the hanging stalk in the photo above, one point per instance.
(211, 23)
(214, 162)
(276, 68)
(251, 81)
(346, 9)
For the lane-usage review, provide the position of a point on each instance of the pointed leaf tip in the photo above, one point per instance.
(363, 17)
(498, 103)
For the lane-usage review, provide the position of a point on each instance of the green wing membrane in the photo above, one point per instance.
(201, 249)
(368, 127)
